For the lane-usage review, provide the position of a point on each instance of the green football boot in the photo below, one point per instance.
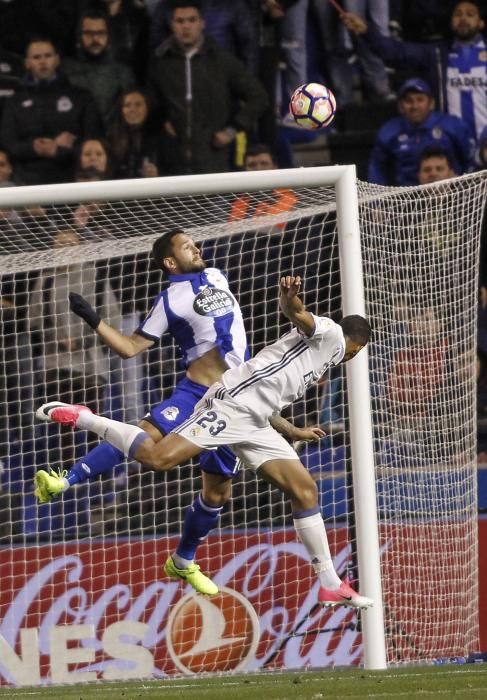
(193, 576)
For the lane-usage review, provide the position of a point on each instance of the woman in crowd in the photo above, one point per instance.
(95, 154)
(136, 142)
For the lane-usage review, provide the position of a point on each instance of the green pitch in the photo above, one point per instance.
(429, 682)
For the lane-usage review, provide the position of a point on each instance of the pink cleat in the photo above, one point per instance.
(344, 595)
(58, 412)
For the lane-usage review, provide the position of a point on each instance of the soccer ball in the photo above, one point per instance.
(312, 106)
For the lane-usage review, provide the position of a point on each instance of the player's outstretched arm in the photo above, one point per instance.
(124, 345)
(292, 307)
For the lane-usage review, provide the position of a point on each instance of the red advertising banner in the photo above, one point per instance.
(77, 612)
(85, 611)
(483, 583)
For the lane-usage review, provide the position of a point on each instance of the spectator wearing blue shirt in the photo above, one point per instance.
(400, 141)
(456, 69)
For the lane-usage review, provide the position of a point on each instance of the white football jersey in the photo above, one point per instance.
(280, 373)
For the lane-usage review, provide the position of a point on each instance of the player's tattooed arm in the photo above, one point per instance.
(292, 306)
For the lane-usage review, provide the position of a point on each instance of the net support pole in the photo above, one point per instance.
(361, 439)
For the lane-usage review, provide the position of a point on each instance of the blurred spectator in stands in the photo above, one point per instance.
(45, 119)
(230, 24)
(434, 166)
(279, 201)
(456, 70)
(481, 375)
(205, 95)
(336, 47)
(482, 317)
(268, 16)
(135, 138)
(11, 70)
(332, 410)
(482, 154)
(94, 163)
(25, 229)
(6, 170)
(95, 153)
(128, 26)
(94, 68)
(400, 141)
(20, 20)
(70, 362)
(17, 383)
(417, 371)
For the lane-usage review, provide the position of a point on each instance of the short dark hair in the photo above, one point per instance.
(435, 152)
(475, 3)
(174, 5)
(93, 13)
(357, 328)
(257, 149)
(162, 247)
(40, 39)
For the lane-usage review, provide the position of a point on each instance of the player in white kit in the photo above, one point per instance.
(236, 412)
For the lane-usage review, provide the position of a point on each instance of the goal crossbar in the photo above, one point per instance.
(144, 188)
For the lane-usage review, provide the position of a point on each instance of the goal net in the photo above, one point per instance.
(84, 595)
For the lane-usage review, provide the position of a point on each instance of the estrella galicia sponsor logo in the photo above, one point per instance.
(213, 302)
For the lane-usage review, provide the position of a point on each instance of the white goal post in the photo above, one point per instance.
(405, 261)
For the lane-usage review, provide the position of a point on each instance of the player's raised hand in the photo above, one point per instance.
(292, 306)
(290, 285)
(82, 308)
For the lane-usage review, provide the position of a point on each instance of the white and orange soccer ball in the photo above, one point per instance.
(312, 106)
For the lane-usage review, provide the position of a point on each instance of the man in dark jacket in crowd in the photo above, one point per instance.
(44, 120)
(230, 24)
(204, 93)
(94, 68)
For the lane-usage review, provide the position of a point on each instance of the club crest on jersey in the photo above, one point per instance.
(64, 104)
(213, 302)
(171, 412)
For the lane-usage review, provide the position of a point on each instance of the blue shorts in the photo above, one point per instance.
(169, 414)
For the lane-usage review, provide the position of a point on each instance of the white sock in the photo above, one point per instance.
(311, 531)
(66, 484)
(181, 563)
(120, 435)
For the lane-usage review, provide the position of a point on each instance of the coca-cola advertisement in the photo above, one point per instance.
(105, 610)
(80, 612)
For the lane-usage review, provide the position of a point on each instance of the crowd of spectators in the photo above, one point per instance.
(111, 89)
(171, 86)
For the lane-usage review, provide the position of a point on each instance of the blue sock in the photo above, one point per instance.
(102, 458)
(200, 518)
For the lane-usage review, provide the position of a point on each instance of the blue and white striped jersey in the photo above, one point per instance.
(200, 312)
(280, 373)
(466, 84)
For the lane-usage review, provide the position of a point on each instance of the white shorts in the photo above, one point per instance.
(219, 420)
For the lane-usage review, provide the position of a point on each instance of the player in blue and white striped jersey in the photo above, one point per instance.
(236, 412)
(204, 318)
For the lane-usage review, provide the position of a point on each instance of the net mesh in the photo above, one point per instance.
(95, 556)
